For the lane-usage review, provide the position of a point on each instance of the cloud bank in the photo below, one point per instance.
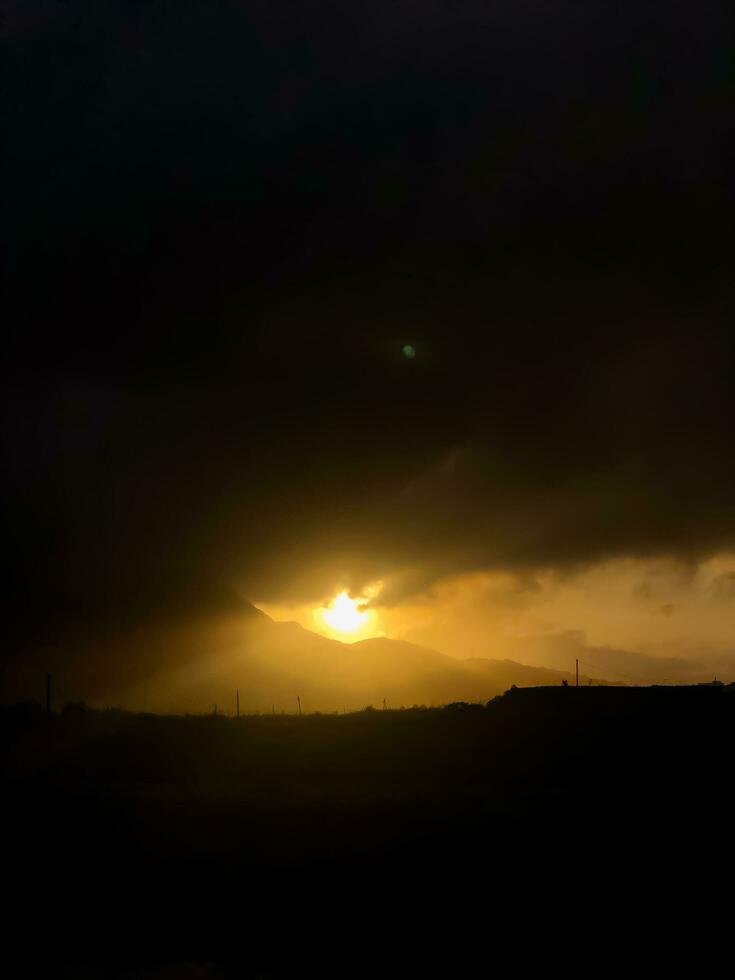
(225, 226)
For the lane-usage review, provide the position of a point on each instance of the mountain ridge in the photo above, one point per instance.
(275, 666)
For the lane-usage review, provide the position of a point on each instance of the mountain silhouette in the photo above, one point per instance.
(272, 664)
(190, 662)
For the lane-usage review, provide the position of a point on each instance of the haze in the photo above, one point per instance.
(425, 305)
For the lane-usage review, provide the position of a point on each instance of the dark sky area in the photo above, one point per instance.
(224, 220)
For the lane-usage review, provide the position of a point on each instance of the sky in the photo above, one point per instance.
(305, 297)
(629, 620)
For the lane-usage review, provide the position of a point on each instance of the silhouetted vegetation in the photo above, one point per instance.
(199, 838)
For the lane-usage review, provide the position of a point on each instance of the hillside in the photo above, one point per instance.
(271, 841)
(272, 664)
(147, 666)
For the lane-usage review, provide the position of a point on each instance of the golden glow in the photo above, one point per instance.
(345, 617)
(344, 614)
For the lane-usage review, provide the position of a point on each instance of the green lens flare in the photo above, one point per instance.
(409, 351)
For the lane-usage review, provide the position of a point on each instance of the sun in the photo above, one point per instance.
(344, 618)
(344, 615)
(348, 619)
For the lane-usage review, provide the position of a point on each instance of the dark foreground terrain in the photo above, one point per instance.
(581, 830)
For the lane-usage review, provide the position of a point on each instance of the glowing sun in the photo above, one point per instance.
(344, 615)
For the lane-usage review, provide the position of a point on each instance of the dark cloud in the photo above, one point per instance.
(228, 219)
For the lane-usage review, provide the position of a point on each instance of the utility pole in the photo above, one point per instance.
(299, 701)
(238, 702)
(577, 662)
(48, 694)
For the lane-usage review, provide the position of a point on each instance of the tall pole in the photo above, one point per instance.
(577, 662)
(48, 694)
(298, 698)
(238, 702)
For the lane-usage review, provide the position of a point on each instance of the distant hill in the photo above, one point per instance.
(272, 663)
(507, 673)
(147, 665)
